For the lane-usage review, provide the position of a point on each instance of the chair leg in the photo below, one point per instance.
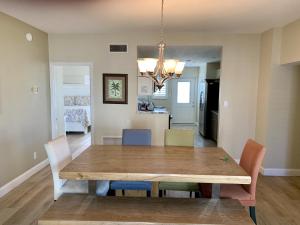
(197, 194)
(165, 192)
(111, 192)
(123, 192)
(191, 194)
(252, 213)
(148, 194)
(160, 193)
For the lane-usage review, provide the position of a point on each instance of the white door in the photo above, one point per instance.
(183, 100)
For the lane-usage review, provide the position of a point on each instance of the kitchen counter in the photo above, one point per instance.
(157, 122)
(156, 111)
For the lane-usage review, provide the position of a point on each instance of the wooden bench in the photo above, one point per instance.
(92, 210)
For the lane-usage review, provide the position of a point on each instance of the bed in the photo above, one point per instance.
(77, 113)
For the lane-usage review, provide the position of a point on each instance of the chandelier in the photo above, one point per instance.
(160, 70)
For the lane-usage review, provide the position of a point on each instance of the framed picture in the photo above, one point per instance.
(115, 88)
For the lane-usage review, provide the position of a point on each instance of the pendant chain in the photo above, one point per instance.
(162, 21)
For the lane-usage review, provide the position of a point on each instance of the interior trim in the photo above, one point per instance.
(23, 177)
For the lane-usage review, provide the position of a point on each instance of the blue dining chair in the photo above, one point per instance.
(134, 137)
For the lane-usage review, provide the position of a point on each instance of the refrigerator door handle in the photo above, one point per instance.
(201, 100)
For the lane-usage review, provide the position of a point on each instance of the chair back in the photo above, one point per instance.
(136, 137)
(251, 161)
(179, 137)
(59, 155)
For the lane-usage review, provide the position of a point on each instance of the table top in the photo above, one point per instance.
(153, 163)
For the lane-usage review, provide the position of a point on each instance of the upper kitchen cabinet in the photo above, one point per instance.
(213, 70)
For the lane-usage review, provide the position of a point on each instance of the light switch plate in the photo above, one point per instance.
(35, 90)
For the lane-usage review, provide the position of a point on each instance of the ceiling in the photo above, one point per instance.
(192, 55)
(102, 16)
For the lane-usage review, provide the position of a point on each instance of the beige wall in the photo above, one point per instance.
(24, 117)
(290, 52)
(264, 86)
(278, 125)
(239, 75)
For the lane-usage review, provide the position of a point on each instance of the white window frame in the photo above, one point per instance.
(166, 96)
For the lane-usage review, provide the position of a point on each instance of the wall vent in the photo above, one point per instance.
(118, 48)
(111, 140)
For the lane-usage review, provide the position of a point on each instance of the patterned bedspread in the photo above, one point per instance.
(77, 100)
(77, 115)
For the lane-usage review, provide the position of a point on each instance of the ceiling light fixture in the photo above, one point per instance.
(160, 70)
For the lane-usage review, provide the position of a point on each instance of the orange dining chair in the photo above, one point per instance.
(251, 160)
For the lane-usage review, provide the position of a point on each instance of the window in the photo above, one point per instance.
(162, 93)
(183, 92)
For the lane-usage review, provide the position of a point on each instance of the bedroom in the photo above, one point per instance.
(71, 103)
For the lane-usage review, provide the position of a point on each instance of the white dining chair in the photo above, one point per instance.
(59, 156)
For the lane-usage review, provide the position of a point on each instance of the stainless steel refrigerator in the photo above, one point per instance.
(209, 101)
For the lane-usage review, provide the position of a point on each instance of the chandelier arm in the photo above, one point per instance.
(167, 78)
(149, 76)
(153, 77)
(155, 74)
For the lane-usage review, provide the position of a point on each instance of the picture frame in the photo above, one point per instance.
(115, 88)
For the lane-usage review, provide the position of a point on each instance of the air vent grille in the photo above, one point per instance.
(118, 48)
(111, 140)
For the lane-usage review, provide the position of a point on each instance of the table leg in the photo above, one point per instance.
(92, 187)
(215, 191)
(119, 193)
(154, 191)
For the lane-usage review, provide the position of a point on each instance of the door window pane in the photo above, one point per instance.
(183, 92)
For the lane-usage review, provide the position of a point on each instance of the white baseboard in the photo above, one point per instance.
(23, 177)
(20, 179)
(276, 171)
(280, 172)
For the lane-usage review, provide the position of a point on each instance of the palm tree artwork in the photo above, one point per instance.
(115, 88)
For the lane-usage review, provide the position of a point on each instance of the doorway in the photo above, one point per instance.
(71, 108)
(185, 98)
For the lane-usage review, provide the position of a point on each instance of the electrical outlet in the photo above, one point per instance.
(34, 156)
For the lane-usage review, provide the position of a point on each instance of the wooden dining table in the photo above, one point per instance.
(156, 164)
